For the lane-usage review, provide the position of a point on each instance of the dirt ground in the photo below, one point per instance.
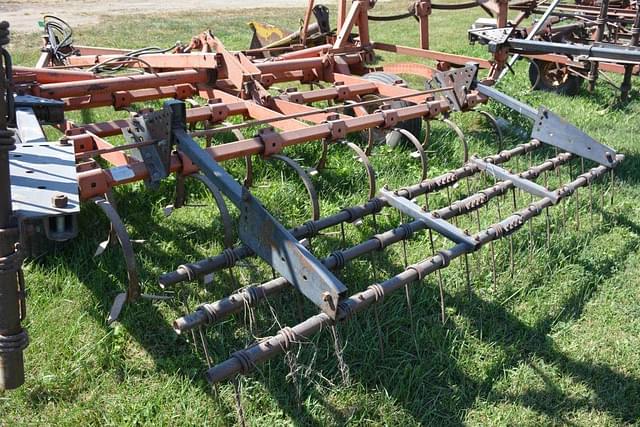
(24, 15)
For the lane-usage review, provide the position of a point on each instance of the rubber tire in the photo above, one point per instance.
(570, 88)
(396, 139)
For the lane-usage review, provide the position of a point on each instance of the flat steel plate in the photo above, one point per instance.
(39, 172)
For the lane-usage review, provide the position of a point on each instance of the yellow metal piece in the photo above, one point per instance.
(266, 34)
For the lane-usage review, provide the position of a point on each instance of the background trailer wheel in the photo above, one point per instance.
(391, 138)
(553, 77)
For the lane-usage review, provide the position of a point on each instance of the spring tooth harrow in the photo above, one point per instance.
(356, 99)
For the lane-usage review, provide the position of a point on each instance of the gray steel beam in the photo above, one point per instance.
(519, 182)
(439, 225)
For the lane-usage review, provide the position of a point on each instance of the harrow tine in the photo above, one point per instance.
(180, 201)
(180, 196)
(511, 254)
(247, 182)
(407, 293)
(494, 124)
(546, 214)
(237, 393)
(427, 130)
(339, 351)
(423, 156)
(376, 316)
(467, 275)
(370, 142)
(577, 196)
(204, 347)
(440, 285)
(494, 274)
(613, 187)
(222, 207)
(461, 137)
(364, 159)
(322, 162)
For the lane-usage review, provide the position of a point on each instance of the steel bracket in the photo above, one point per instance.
(462, 80)
(439, 225)
(260, 231)
(517, 180)
(496, 36)
(551, 129)
(152, 126)
(271, 141)
(47, 111)
(44, 187)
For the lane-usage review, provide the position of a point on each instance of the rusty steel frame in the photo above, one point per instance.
(244, 85)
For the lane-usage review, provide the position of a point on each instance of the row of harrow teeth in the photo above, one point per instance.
(247, 298)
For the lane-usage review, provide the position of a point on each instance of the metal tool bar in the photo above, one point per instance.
(520, 107)
(302, 114)
(521, 183)
(603, 51)
(406, 206)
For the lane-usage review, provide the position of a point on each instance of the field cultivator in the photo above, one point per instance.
(333, 91)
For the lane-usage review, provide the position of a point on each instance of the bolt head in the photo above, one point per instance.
(59, 201)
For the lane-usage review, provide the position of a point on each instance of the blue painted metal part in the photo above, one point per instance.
(519, 182)
(439, 225)
(553, 130)
(269, 239)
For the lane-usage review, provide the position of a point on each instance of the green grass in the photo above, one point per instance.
(554, 344)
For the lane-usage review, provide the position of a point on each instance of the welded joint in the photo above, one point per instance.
(343, 91)
(422, 8)
(337, 127)
(390, 115)
(219, 110)
(272, 141)
(292, 94)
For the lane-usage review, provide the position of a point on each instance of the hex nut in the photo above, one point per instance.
(59, 201)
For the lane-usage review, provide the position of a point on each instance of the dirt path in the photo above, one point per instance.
(24, 15)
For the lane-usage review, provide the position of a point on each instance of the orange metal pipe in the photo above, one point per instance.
(52, 75)
(112, 84)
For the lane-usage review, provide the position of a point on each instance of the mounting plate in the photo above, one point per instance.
(490, 35)
(552, 129)
(40, 172)
(152, 126)
(461, 79)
